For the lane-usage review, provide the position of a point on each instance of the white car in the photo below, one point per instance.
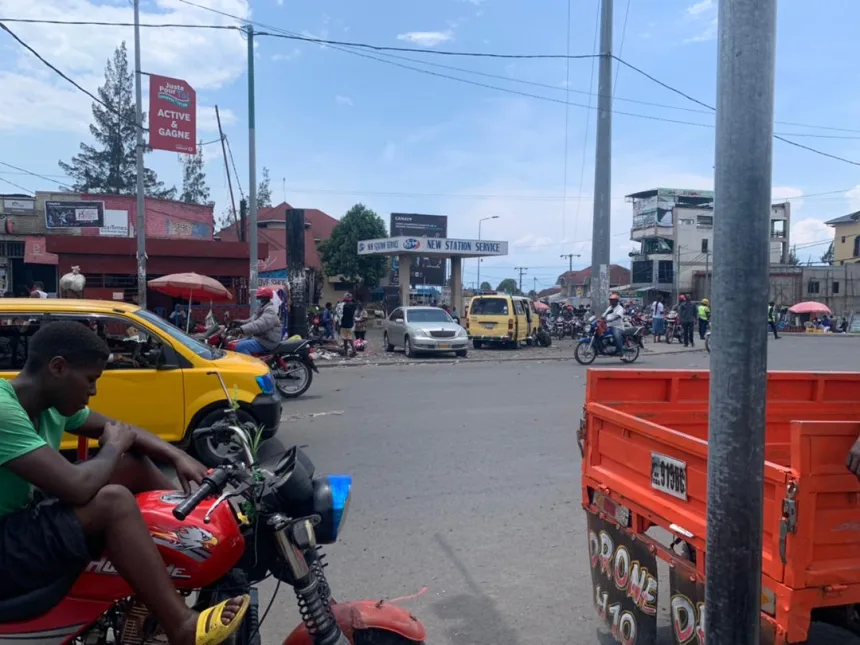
(424, 329)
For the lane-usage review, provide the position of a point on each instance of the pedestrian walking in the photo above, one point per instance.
(360, 321)
(658, 320)
(704, 312)
(338, 314)
(347, 325)
(687, 316)
(771, 318)
(328, 321)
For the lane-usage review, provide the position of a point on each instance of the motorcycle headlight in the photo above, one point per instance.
(332, 494)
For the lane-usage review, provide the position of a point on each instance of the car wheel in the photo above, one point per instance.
(209, 450)
(388, 346)
(462, 353)
(407, 348)
(477, 344)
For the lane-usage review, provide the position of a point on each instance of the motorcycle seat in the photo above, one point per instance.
(35, 603)
(290, 346)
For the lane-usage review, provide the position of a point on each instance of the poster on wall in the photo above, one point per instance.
(74, 214)
(425, 271)
(172, 115)
(116, 224)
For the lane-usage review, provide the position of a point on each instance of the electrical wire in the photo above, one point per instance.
(621, 48)
(567, 124)
(776, 135)
(233, 163)
(104, 23)
(12, 183)
(35, 174)
(64, 76)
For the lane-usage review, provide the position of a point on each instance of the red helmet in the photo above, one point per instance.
(265, 293)
(681, 298)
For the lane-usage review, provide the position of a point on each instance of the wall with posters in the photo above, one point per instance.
(425, 270)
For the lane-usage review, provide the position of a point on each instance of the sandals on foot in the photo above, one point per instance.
(211, 630)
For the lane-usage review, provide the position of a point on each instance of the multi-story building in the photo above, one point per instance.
(846, 238)
(675, 232)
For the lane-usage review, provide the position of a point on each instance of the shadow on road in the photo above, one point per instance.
(474, 617)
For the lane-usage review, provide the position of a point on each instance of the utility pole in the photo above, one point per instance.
(534, 285)
(521, 270)
(141, 199)
(707, 273)
(602, 165)
(570, 257)
(227, 169)
(252, 169)
(738, 382)
(677, 274)
(298, 319)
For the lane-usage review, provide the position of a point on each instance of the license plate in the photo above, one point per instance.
(669, 475)
(488, 325)
(444, 345)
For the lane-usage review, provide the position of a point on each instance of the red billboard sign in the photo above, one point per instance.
(172, 115)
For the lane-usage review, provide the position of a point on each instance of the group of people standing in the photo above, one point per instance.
(689, 316)
(348, 319)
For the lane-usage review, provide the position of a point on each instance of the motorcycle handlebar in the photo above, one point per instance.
(211, 484)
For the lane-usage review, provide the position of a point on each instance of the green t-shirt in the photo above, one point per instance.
(18, 437)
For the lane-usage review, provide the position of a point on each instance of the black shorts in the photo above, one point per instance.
(39, 545)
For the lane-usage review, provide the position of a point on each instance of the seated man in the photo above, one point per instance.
(81, 511)
(264, 327)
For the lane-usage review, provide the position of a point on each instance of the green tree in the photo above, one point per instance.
(194, 188)
(264, 191)
(827, 258)
(339, 253)
(486, 286)
(793, 260)
(109, 166)
(533, 294)
(508, 285)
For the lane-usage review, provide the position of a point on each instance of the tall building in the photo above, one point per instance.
(675, 232)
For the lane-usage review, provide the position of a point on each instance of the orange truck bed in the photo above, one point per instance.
(645, 451)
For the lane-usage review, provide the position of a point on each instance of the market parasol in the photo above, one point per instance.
(810, 307)
(540, 306)
(191, 286)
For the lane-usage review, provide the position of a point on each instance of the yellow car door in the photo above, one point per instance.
(142, 383)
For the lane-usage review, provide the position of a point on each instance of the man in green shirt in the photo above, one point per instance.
(56, 516)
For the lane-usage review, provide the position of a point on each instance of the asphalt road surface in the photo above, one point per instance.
(467, 483)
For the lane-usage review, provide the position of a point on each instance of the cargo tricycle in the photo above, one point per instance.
(643, 438)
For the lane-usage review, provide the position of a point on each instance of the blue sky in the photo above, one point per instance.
(335, 128)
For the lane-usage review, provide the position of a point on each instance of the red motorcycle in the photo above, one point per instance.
(291, 363)
(209, 545)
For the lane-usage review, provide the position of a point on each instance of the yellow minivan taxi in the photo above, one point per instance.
(157, 377)
(501, 319)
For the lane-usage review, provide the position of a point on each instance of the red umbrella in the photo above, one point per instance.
(810, 307)
(191, 286)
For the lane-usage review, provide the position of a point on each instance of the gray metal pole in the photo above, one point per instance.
(252, 168)
(602, 165)
(745, 80)
(141, 202)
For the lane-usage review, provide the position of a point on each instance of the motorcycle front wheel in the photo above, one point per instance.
(585, 354)
(381, 637)
(293, 378)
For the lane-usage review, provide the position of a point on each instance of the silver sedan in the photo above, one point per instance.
(423, 329)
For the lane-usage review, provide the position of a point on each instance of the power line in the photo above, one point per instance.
(776, 135)
(621, 47)
(61, 74)
(35, 174)
(335, 44)
(18, 186)
(233, 163)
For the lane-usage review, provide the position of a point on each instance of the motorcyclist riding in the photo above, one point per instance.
(614, 317)
(264, 327)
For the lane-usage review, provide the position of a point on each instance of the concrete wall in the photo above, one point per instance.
(843, 242)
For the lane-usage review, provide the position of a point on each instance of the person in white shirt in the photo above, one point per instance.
(614, 317)
(658, 320)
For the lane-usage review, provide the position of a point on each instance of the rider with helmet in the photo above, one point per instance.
(264, 327)
(614, 317)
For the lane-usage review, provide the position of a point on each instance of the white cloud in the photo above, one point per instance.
(853, 197)
(293, 55)
(809, 230)
(426, 38)
(343, 100)
(207, 121)
(707, 34)
(700, 7)
(204, 58)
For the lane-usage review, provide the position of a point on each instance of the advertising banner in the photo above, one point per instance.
(425, 270)
(172, 115)
(74, 214)
(624, 579)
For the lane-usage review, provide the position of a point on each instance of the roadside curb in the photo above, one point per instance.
(466, 361)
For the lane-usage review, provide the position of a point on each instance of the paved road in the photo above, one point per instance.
(466, 482)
